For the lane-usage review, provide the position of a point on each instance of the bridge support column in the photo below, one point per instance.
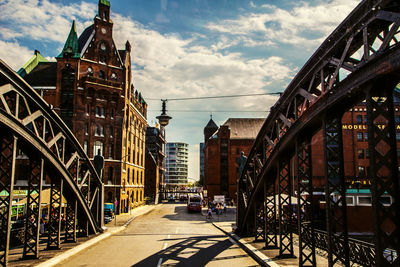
(335, 192)
(384, 173)
(285, 216)
(54, 228)
(270, 218)
(8, 154)
(305, 211)
(70, 221)
(33, 209)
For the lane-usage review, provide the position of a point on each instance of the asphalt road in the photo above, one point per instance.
(167, 236)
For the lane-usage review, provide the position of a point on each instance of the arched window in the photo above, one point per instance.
(98, 148)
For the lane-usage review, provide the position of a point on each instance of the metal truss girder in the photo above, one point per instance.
(8, 154)
(319, 71)
(24, 113)
(335, 192)
(384, 173)
(285, 215)
(305, 212)
(33, 209)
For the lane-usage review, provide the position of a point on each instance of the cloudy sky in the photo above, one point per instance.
(188, 48)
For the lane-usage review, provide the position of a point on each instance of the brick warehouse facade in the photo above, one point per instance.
(90, 87)
(221, 150)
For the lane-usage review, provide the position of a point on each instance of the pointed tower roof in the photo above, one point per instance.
(31, 64)
(211, 124)
(71, 47)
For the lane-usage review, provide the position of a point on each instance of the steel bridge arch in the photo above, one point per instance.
(315, 100)
(28, 122)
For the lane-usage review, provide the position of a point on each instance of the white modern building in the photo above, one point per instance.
(177, 164)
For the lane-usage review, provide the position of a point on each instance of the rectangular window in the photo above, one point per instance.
(359, 119)
(110, 151)
(350, 201)
(398, 136)
(397, 119)
(366, 136)
(367, 153)
(361, 171)
(360, 153)
(97, 111)
(364, 200)
(102, 112)
(85, 146)
(86, 128)
(359, 136)
(365, 119)
(111, 131)
(87, 109)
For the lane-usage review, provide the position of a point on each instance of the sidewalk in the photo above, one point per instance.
(54, 257)
(265, 257)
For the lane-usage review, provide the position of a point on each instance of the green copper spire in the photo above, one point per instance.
(71, 48)
(105, 2)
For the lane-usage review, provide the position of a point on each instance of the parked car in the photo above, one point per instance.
(194, 203)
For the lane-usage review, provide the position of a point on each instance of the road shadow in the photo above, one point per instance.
(228, 216)
(193, 251)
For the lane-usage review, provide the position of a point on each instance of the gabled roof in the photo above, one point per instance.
(31, 64)
(244, 128)
(71, 47)
(44, 74)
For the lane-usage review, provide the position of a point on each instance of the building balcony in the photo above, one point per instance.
(102, 82)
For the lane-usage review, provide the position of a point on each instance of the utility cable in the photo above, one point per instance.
(208, 97)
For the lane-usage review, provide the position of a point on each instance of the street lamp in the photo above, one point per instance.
(163, 119)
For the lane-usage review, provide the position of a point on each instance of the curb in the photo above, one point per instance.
(258, 256)
(63, 256)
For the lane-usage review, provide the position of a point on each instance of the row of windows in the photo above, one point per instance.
(363, 136)
(98, 149)
(99, 111)
(135, 177)
(101, 73)
(359, 119)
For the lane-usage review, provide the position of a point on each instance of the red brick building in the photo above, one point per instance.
(89, 86)
(221, 150)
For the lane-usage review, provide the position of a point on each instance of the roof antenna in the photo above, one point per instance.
(210, 115)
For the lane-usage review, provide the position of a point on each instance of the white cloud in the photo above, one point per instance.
(13, 54)
(303, 25)
(44, 20)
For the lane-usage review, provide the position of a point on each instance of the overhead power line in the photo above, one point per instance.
(208, 97)
(212, 111)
